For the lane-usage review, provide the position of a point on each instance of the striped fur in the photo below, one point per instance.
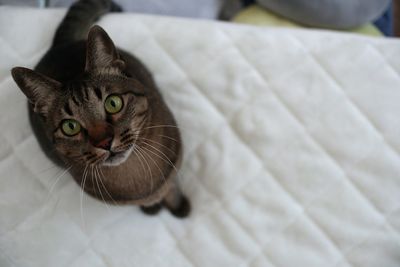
(135, 153)
(81, 15)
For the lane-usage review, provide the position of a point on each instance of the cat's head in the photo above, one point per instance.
(96, 120)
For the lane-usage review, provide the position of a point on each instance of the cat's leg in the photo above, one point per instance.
(176, 202)
(152, 209)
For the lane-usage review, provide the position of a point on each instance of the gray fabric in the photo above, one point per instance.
(338, 14)
(186, 8)
(20, 2)
(207, 9)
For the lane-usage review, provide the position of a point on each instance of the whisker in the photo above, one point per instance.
(148, 168)
(166, 157)
(168, 160)
(128, 141)
(156, 126)
(91, 178)
(105, 188)
(155, 142)
(57, 179)
(83, 189)
(47, 169)
(126, 137)
(160, 126)
(122, 147)
(170, 138)
(162, 174)
(96, 160)
(98, 186)
(141, 163)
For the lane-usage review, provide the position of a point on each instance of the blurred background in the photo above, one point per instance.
(371, 17)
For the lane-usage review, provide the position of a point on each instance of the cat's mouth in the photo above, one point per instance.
(117, 158)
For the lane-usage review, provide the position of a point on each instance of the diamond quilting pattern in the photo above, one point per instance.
(291, 152)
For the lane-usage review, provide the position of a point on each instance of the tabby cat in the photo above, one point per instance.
(99, 110)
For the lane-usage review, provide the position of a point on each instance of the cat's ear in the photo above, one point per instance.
(101, 53)
(39, 89)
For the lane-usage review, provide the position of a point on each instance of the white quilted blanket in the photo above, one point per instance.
(292, 151)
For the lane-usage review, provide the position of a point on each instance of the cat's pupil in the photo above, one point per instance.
(71, 125)
(113, 103)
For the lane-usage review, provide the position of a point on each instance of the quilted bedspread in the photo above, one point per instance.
(292, 151)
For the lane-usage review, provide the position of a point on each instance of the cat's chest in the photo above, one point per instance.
(139, 177)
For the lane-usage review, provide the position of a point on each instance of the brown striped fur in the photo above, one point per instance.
(141, 148)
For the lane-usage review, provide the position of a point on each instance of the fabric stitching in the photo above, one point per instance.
(12, 50)
(260, 246)
(319, 145)
(352, 101)
(91, 238)
(365, 240)
(336, 163)
(7, 258)
(5, 79)
(367, 119)
(256, 155)
(298, 120)
(177, 243)
(87, 248)
(302, 125)
(217, 110)
(388, 63)
(240, 139)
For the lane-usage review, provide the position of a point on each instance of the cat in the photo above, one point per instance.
(99, 110)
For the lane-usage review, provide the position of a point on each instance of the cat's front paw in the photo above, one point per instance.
(182, 210)
(151, 210)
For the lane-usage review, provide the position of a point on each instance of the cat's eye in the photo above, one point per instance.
(70, 127)
(113, 104)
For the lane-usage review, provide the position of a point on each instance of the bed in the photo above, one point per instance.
(292, 151)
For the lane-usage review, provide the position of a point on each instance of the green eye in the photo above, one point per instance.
(113, 104)
(70, 127)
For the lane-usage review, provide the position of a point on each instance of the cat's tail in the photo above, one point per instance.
(80, 17)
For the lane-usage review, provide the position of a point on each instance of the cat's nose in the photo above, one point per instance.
(104, 144)
(101, 135)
